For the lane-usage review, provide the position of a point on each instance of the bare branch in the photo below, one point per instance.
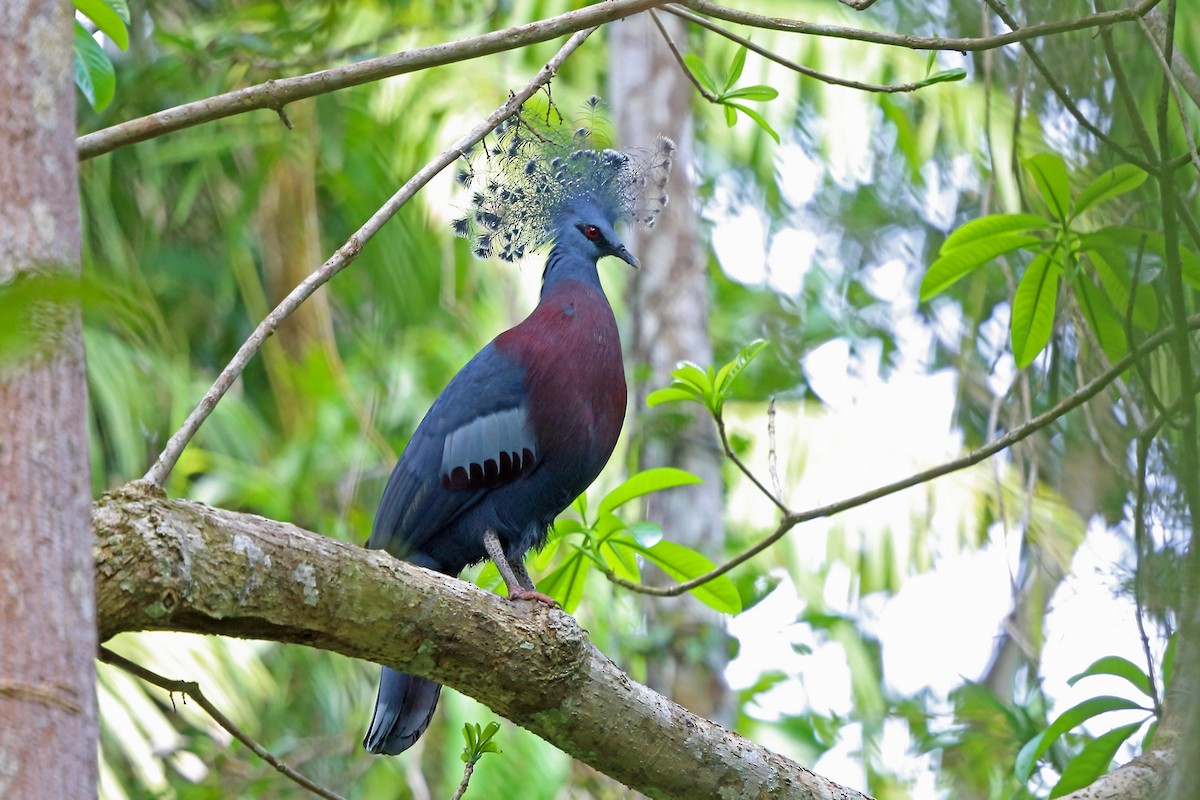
(192, 690)
(1173, 83)
(1060, 91)
(276, 94)
(791, 520)
(921, 42)
(705, 93)
(170, 565)
(792, 65)
(342, 258)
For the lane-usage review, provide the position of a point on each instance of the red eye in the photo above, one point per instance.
(591, 232)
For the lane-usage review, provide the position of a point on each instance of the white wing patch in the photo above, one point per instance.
(489, 450)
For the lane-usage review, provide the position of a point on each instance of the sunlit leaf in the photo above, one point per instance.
(951, 266)
(1120, 667)
(94, 73)
(730, 372)
(1049, 173)
(645, 482)
(107, 18)
(992, 225)
(758, 93)
(1094, 760)
(945, 76)
(565, 583)
(683, 563)
(1110, 183)
(735, 68)
(1076, 715)
(758, 119)
(1033, 309)
(672, 394)
(701, 72)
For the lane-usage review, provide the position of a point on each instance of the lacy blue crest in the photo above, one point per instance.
(523, 178)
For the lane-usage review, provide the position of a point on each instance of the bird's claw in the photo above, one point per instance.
(530, 594)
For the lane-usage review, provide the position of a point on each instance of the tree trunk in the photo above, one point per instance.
(48, 730)
(669, 310)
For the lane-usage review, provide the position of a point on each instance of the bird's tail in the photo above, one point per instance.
(402, 712)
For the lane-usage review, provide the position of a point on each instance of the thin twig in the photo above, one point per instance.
(792, 65)
(342, 258)
(921, 42)
(772, 453)
(679, 59)
(466, 778)
(789, 521)
(277, 93)
(1169, 76)
(192, 690)
(1060, 91)
(732, 456)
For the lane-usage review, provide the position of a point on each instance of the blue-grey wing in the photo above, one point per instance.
(475, 437)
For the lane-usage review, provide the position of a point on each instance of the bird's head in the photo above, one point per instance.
(584, 228)
(543, 183)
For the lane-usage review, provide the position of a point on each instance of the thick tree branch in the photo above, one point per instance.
(176, 565)
(276, 94)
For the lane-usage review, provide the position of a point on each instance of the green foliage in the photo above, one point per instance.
(725, 95)
(1093, 262)
(94, 74)
(705, 385)
(479, 741)
(1096, 755)
(582, 543)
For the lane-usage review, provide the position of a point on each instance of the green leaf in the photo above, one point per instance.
(672, 394)
(1094, 760)
(758, 93)
(107, 19)
(683, 563)
(701, 72)
(735, 68)
(758, 119)
(945, 76)
(1033, 308)
(1072, 717)
(951, 266)
(1049, 173)
(94, 73)
(647, 534)
(730, 115)
(1120, 667)
(621, 559)
(729, 373)
(645, 482)
(693, 375)
(565, 583)
(1114, 277)
(1118, 180)
(991, 225)
(1102, 320)
(1151, 241)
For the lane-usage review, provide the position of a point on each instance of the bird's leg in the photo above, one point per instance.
(515, 576)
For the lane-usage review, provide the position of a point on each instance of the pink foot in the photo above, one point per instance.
(530, 594)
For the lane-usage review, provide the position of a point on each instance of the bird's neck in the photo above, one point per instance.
(564, 265)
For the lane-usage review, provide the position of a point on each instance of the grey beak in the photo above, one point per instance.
(628, 258)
